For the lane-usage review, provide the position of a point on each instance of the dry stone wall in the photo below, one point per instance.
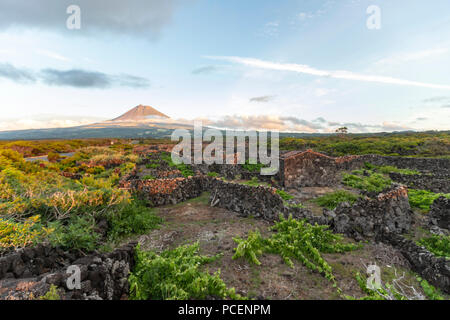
(436, 182)
(29, 273)
(312, 169)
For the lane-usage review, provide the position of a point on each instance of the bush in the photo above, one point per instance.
(367, 180)
(52, 294)
(213, 174)
(78, 234)
(295, 239)
(53, 157)
(423, 199)
(438, 245)
(135, 218)
(284, 195)
(176, 275)
(19, 235)
(331, 200)
(256, 167)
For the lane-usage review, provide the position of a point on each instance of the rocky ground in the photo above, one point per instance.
(215, 228)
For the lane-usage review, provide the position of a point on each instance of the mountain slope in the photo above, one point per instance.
(140, 113)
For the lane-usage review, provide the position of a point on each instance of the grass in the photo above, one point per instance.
(390, 169)
(333, 199)
(423, 199)
(284, 195)
(438, 245)
(367, 180)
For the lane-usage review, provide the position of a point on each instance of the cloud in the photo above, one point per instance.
(76, 78)
(205, 69)
(271, 29)
(412, 56)
(421, 119)
(53, 55)
(132, 17)
(436, 99)
(439, 101)
(294, 124)
(262, 99)
(12, 73)
(45, 121)
(337, 74)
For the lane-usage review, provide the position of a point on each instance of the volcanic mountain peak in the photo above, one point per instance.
(141, 112)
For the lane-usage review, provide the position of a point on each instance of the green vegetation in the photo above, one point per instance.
(61, 202)
(148, 177)
(425, 144)
(135, 218)
(176, 275)
(367, 180)
(295, 239)
(253, 167)
(213, 174)
(44, 147)
(78, 234)
(439, 245)
(423, 199)
(430, 292)
(284, 195)
(254, 182)
(186, 170)
(379, 294)
(21, 234)
(331, 200)
(389, 292)
(52, 294)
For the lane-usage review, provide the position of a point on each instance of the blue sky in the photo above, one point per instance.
(304, 65)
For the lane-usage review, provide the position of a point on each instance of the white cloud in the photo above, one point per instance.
(52, 55)
(43, 122)
(337, 74)
(412, 56)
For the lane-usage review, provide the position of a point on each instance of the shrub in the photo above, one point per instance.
(19, 235)
(284, 195)
(423, 199)
(439, 245)
(176, 275)
(331, 200)
(53, 157)
(134, 218)
(295, 239)
(431, 292)
(52, 294)
(252, 167)
(213, 174)
(78, 234)
(367, 180)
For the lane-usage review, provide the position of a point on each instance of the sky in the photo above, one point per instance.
(290, 65)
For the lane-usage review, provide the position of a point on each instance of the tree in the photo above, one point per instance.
(342, 131)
